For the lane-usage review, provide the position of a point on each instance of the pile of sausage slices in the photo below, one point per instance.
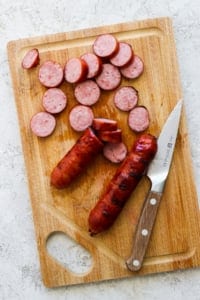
(100, 69)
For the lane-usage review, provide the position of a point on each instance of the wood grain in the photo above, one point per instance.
(175, 242)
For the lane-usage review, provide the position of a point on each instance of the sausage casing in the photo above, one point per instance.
(76, 160)
(126, 178)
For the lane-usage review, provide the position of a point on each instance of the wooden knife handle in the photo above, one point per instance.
(143, 230)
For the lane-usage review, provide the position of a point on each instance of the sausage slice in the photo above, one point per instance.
(76, 70)
(54, 100)
(126, 98)
(123, 56)
(81, 117)
(138, 119)
(87, 92)
(105, 45)
(31, 59)
(109, 78)
(134, 69)
(94, 64)
(51, 74)
(43, 124)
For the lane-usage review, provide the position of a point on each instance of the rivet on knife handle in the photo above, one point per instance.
(143, 231)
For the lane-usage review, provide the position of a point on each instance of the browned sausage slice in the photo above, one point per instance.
(109, 78)
(123, 55)
(114, 136)
(81, 117)
(138, 119)
(94, 64)
(76, 160)
(43, 124)
(104, 124)
(115, 153)
(126, 98)
(76, 70)
(50, 74)
(54, 100)
(134, 69)
(87, 92)
(105, 45)
(31, 59)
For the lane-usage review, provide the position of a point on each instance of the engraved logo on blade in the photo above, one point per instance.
(168, 152)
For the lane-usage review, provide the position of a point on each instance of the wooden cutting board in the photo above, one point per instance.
(175, 242)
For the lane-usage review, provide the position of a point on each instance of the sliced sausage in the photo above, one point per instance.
(134, 69)
(121, 186)
(87, 92)
(126, 98)
(138, 119)
(109, 78)
(105, 45)
(81, 117)
(43, 124)
(50, 74)
(115, 153)
(31, 59)
(74, 163)
(54, 100)
(76, 70)
(104, 124)
(123, 55)
(94, 64)
(114, 136)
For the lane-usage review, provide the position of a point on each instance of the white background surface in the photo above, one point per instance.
(19, 265)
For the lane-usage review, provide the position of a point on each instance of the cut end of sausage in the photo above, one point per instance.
(51, 74)
(109, 78)
(105, 45)
(87, 92)
(81, 117)
(123, 55)
(134, 69)
(138, 119)
(126, 98)
(43, 124)
(115, 153)
(76, 70)
(94, 64)
(54, 100)
(31, 59)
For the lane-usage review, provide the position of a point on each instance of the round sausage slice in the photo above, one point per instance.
(94, 64)
(76, 70)
(115, 153)
(126, 98)
(43, 124)
(51, 74)
(109, 78)
(138, 119)
(81, 117)
(134, 69)
(87, 92)
(105, 45)
(123, 56)
(54, 100)
(31, 59)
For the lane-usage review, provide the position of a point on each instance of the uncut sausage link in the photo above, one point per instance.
(76, 160)
(126, 178)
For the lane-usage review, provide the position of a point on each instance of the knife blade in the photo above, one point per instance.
(157, 173)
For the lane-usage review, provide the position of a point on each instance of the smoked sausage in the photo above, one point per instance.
(76, 160)
(126, 178)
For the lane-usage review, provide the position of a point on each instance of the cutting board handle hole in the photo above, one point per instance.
(69, 253)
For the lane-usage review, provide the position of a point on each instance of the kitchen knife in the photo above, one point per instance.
(157, 173)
